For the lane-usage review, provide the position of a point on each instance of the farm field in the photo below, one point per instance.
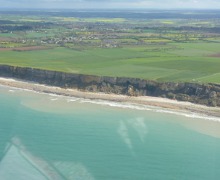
(189, 62)
(177, 48)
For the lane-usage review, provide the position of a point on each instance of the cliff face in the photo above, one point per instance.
(206, 94)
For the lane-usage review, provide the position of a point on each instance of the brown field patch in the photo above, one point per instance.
(30, 48)
(5, 49)
(215, 55)
(6, 39)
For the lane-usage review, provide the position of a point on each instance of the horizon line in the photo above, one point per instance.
(17, 8)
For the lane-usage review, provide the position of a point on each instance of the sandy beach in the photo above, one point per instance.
(164, 103)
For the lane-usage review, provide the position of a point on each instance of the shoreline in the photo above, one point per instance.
(166, 104)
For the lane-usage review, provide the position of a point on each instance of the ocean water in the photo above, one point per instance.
(53, 137)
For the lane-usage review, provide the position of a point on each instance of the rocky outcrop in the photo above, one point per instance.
(206, 94)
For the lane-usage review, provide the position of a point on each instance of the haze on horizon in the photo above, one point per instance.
(112, 4)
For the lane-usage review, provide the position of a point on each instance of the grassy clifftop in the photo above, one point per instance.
(206, 94)
(189, 62)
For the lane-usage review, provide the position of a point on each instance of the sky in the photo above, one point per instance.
(112, 4)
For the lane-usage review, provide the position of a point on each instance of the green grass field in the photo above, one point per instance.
(191, 62)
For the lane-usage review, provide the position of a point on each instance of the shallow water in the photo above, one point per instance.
(53, 137)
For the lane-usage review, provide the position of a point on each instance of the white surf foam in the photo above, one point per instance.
(54, 99)
(150, 108)
(53, 95)
(190, 115)
(72, 99)
(116, 104)
(128, 106)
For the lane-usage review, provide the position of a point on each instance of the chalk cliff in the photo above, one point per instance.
(206, 94)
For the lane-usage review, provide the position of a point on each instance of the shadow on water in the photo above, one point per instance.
(69, 145)
(102, 143)
(7, 121)
(36, 143)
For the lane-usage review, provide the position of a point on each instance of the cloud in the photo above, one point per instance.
(123, 132)
(140, 127)
(111, 3)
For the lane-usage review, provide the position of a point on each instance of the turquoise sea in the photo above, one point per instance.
(43, 136)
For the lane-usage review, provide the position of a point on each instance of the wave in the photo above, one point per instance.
(117, 104)
(150, 108)
(54, 99)
(72, 99)
(126, 105)
(53, 95)
(190, 115)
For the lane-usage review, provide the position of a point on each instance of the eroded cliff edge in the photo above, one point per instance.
(205, 94)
